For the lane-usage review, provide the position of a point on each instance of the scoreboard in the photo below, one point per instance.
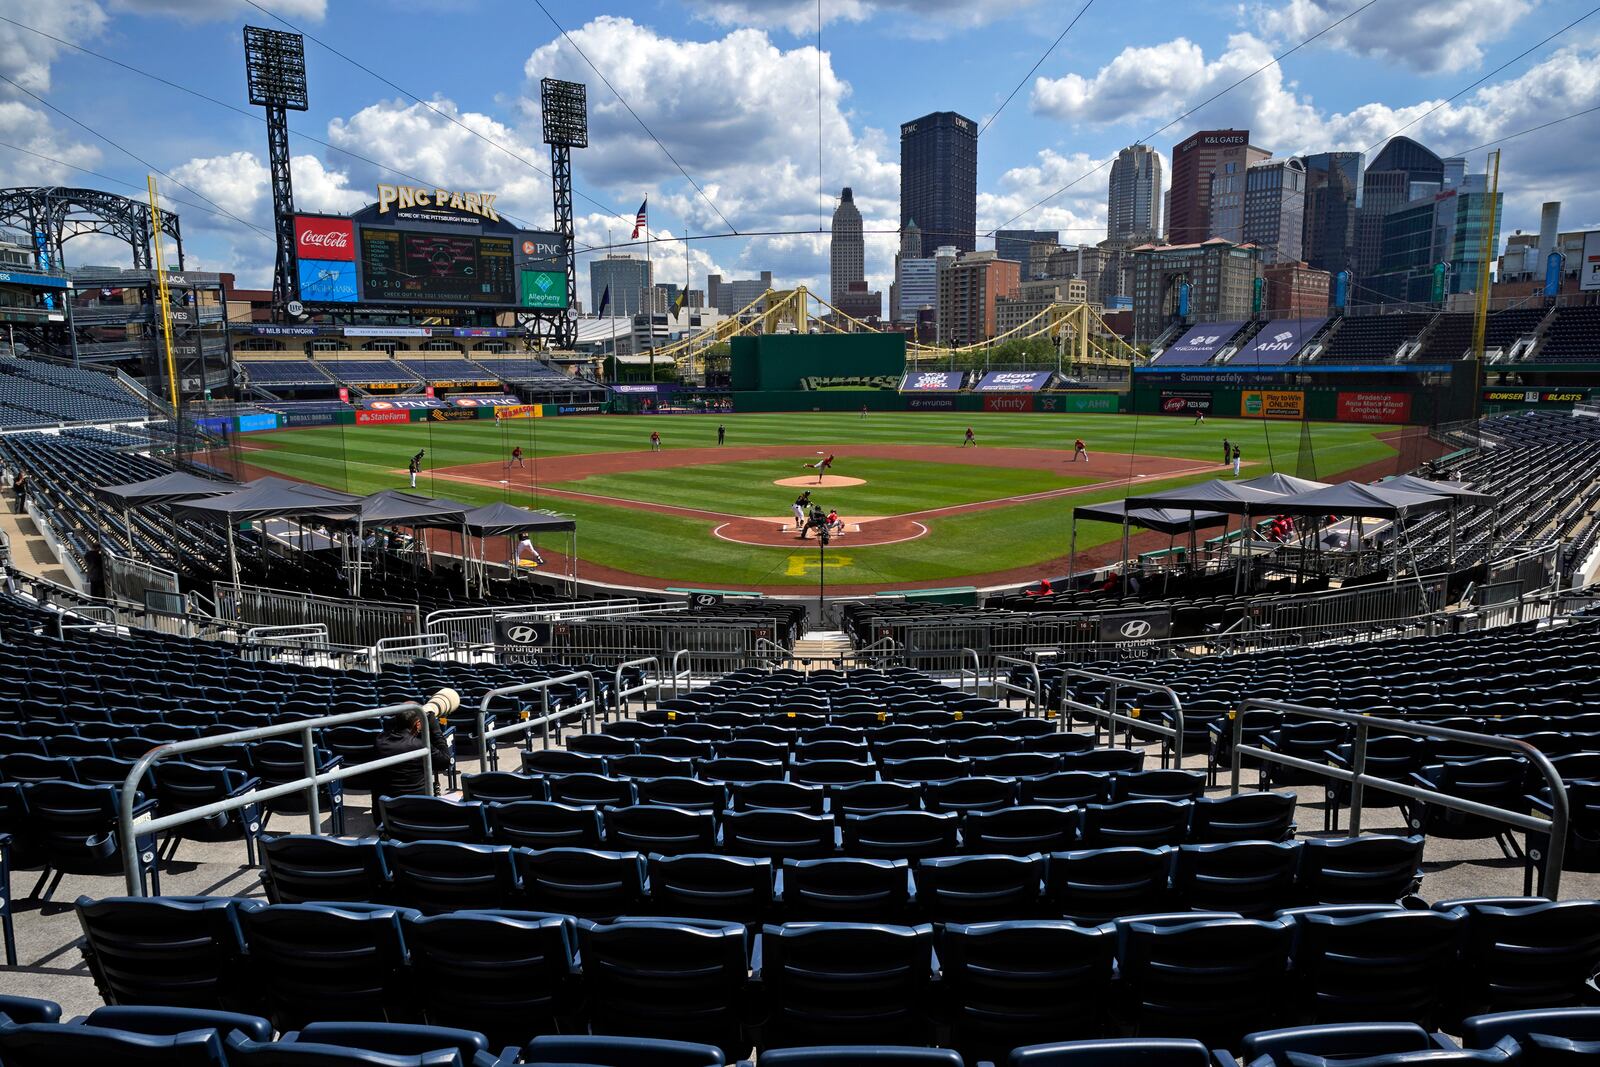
(432, 248)
(437, 268)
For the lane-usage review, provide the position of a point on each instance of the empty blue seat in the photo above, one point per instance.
(1253, 878)
(54, 1045)
(1374, 868)
(406, 1039)
(1020, 830)
(778, 834)
(76, 830)
(681, 979)
(142, 1019)
(846, 983)
(420, 818)
(544, 824)
(1570, 1024)
(589, 883)
(901, 834)
(306, 868)
(736, 888)
(578, 1051)
(440, 876)
(1526, 954)
(1271, 1048)
(507, 975)
(29, 1009)
(650, 828)
(862, 1056)
(1243, 817)
(177, 951)
(321, 961)
(846, 889)
(1093, 885)
(1214, 980)
(243, 1052)
(1136, 823)
(973, 889)
(1114, 1052)
(1014, 983)
(503, 787)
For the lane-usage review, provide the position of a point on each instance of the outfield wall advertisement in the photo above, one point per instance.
(1008, 402)
(933, 381)
(1374, 407)
(1001, 381)
(1079, 403)
(1185, 402)
(374, 418)
(519, 411)
(1272, 404)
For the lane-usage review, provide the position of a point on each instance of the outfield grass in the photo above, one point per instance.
(364, 459)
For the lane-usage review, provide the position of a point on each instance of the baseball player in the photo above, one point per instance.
(1080, 451)
(416, 465)
(525, 546)
(969, 439)
(801, 504)
(820, 466)
(834, 523)
(1227, 451)
(816, 520)
(516, 457)
(1238, 460)
(655, 441)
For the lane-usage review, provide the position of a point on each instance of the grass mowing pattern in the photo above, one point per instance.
(364, 459)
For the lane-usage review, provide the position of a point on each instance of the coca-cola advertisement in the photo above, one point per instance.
(321, 237)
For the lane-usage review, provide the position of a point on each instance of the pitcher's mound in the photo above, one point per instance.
(829, 481)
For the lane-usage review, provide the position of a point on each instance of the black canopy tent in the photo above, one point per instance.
(1170, 521)
(506, 520)
(162, 489)
(267, 498)
(1282, 483)
(1228, 497)
(395, 507)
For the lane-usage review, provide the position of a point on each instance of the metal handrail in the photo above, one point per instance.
(783, 653)
(486, 736)
(425, 645)
(128, 833)
(682, 653)
(1359, 780)
(620, 695)
(1112, 716)
(977, 671)
(296, 632)
(1035, 695)
(889, 643)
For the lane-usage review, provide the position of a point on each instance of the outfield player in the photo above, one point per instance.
(1080, 451)
(416, 465)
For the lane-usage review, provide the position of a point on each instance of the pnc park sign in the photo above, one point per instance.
(401, 197)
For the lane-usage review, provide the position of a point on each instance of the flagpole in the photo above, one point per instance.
(686, 295)
(650, 289)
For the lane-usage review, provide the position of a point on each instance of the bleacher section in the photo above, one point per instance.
(1449, 339)
(1373, 338)
(281, 371)
(444, 367)
(356, 371)
(43, 394)
(1572, 337)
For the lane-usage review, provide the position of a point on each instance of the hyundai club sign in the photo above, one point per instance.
(1127, 628)
(521, 633)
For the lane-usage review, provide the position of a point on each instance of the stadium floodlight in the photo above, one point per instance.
(275, 67)
(566, 112)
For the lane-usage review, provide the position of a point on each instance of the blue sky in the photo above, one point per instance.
(731, 89)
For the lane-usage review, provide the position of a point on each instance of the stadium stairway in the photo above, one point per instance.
(822, 648)
(29, 550)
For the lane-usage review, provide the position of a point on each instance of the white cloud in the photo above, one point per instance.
(1440, 36)
(26, 57)
(740, 114)
(240, 183)
(914, 18)
(1079, 213)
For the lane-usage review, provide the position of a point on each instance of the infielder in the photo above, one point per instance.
(1080, 450)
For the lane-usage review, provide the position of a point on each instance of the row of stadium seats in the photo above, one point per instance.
(991, 987)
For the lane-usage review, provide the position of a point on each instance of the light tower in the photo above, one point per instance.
(275, 68)
(566, 126)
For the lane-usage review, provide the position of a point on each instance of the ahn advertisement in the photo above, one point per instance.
(1185, 402)
(519, 411)
(1272, 404)
(933, 381)
(1374, 407)
(1008, 402)
(1078, 403)
(381, 417)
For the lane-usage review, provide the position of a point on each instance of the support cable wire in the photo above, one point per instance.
(1039, 63)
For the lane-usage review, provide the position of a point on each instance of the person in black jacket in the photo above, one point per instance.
(403, 733)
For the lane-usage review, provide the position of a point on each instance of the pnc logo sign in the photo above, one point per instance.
(321, 238)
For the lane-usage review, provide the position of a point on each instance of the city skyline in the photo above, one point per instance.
(742, 116)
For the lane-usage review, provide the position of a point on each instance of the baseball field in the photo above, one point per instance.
(920, 508)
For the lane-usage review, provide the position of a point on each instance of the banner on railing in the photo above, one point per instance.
(933, 381)
(520, 411)
(1135, 626)
(1005, 381)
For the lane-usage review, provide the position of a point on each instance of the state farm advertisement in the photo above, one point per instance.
(1374, 407)
(368, 418)
(320, 237)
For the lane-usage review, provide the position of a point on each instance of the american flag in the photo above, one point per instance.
(640, 222)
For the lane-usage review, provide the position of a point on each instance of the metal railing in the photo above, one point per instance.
(1111, 716)
(130, 829)
(620, 695)
(977, 671)
(408, 646)
(1035, 695)
(349, 622)
(1359, 780)
(678, 656)
(487, 752)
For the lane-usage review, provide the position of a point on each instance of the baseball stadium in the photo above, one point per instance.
(401, 669)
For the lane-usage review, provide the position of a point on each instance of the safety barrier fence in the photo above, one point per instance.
(476, 626)
(1360, 781)
(621, 693)
(712, 646)
(349, 622)
(1110, 714)
(131, 828)
(999, 683)
(524, 723)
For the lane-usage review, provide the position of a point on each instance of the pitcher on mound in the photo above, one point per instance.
(820, 466)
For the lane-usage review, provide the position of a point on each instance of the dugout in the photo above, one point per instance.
(777, 362)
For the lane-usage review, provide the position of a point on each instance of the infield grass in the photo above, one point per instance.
(363, 459)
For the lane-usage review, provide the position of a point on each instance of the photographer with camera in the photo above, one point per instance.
(411, 731)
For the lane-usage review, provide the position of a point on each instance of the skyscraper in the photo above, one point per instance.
(1133, 200)
(627, 278)
(847, 249)
(1333, 202)
(1208, 171)
(1025, 246)
(1274, 208)
(1401, 172)
(939, 179)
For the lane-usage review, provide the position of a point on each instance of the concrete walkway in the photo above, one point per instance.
(29, 552)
